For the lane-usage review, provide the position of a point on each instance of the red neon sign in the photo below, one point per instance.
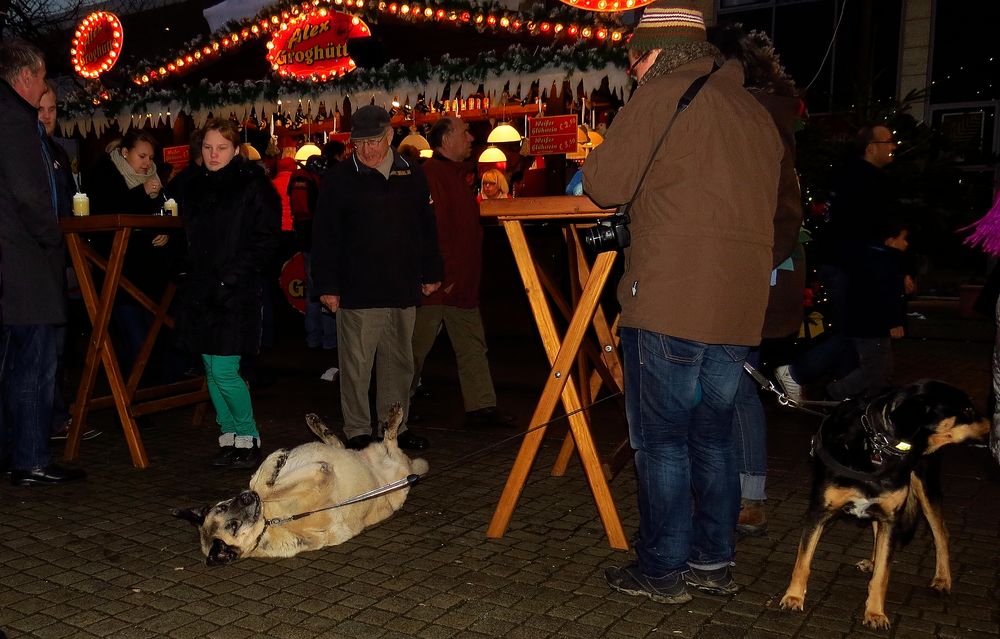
(97, 43)
(314, 45)
(607, 5)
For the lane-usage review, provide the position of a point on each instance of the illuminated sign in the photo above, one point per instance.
(607, 5)
(97, 43)
(552, 134)
(314, 45)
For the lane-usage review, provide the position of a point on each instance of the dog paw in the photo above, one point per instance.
(792, 602)
(941, 585)
(876, 620)
(865, 565)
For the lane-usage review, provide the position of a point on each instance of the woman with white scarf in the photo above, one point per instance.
(124, 181)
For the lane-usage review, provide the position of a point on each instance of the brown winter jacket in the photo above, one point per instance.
(702, 224)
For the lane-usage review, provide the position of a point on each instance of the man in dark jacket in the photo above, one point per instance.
(33, 270)
(375, 251)
(456, 303)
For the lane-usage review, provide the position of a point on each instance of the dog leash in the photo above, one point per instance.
(412, 479)
(766, 384)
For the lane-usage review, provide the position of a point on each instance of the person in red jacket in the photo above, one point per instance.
(456, 303)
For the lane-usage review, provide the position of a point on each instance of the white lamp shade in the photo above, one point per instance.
(492, 155)
(306, 151)
(417, 141)
(503, 133)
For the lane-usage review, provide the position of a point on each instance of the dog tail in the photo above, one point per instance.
(321, 430)
(906, 524)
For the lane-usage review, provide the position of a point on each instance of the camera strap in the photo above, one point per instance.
(682, 105)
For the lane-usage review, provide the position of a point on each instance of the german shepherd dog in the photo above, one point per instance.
(877, 460)
(259, 521)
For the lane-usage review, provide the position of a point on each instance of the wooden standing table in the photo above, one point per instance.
(578, 367)
(128, 399)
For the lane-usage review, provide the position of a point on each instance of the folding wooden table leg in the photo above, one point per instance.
(101, 351)
(556, 386)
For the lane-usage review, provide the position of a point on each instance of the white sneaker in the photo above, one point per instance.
(330, 374)
(793, 390)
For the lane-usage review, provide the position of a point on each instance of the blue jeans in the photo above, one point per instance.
(679, 402)
(750, 435)
(321, 325)
(28, 382)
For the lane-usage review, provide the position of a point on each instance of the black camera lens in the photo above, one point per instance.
(601, 237)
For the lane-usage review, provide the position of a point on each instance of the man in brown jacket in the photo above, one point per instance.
(693, 293)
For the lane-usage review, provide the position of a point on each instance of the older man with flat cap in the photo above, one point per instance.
(375, 254)
(693, 293)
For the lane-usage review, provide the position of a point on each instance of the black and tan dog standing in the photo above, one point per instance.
(306, 479)
(877, 460)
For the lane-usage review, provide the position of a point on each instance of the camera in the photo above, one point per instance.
(610, 234)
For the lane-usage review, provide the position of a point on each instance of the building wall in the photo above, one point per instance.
(916, 49)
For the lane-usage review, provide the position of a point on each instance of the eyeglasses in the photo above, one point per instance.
(630, 71)
(371, 142)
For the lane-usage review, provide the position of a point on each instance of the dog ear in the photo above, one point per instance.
(195, 515)
(221, 553)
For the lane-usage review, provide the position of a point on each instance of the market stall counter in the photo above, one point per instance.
(581, 360)
(128, 399)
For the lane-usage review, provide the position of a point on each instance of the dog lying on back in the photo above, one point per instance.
(304, 479)
(877, 460)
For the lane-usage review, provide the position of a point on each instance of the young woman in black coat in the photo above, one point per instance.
(125, 181)
(232, 218)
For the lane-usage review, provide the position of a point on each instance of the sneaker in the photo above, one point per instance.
(793, 390)
(224, 457)
(631, 581)
(246, 457)
(753, 518)
(715, 582)
(330, 374)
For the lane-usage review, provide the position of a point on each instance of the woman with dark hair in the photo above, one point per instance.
(766, 80)
(125, 181)
(232, 217)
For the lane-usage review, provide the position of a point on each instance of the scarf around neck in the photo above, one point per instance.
(677, 55)
(132, 178)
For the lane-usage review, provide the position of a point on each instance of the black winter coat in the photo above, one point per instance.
(232, 218)
(32, 245)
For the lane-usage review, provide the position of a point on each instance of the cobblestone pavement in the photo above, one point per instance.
(105, 558)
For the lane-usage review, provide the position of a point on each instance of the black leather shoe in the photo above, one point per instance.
(488, 417)
(51, 474)
(359, 442)
(246, 457)
(409, 441)
(224, 457)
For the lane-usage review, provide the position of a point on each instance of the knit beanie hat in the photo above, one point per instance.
(668, 22)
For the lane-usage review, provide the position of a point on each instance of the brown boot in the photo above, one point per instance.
(753, 518)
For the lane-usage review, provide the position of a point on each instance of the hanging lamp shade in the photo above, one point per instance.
(306, 151)
(492, 155)
(417, 141)
(503, 133)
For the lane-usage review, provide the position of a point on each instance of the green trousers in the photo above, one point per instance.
(230, 395)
